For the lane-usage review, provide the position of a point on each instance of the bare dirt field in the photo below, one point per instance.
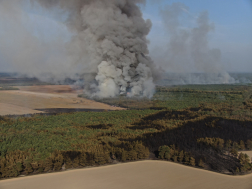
(143, 174)
(43, 99)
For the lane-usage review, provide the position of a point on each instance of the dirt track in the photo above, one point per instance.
(144, 174)
(34, 99)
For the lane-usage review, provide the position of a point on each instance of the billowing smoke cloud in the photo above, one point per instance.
(108, 39)
(187, 49)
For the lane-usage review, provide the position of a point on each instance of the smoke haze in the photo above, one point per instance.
(108, 39)
(187, 48)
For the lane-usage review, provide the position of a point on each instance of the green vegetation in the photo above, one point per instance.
(201, 126)
(188, 96)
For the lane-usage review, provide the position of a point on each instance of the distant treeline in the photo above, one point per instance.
(165, 89)
(5, 88)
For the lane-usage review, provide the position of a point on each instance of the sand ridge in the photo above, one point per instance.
(146, 174)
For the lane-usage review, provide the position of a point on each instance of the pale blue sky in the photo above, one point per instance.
(232, 35)
(233, 28)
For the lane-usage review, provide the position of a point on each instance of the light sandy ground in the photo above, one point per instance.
(248, 152)
(136, 175)
(9, 109)
(28, 99)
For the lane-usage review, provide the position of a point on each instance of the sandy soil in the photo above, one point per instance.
(144, 174)
(249, 153)
(31, 99)
(9, 109)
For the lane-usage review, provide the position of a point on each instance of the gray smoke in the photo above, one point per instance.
(187, 47)
(108, 39)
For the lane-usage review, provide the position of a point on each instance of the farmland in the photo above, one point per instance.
(197, 125)
(46, 99)
(24, 96)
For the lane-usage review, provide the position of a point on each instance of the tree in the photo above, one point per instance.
(242, 158)
(247, 158)
(192, 161)
(162, 150)
(187, 158)
(124, 156)
(181, 156)
(201, 163)
(57, 160)
(167, 155)
(142, 151)
(249, 144)
(237, 170)
(242, 145)
(19, 166)
(132, 155)
(82, 159)
(28, 168)
(235, 145)
(220, 143)
(234, 152)
(244, 169)
(175, 158)
(48, 164)
(228, 144)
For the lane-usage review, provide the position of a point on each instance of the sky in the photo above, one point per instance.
(232, 35)
(233, 28)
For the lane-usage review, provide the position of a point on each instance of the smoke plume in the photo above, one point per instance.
(108, 39)
(187, 48)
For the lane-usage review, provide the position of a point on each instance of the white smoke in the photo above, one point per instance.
(187, 49)
(198, 78)
(108, 39)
